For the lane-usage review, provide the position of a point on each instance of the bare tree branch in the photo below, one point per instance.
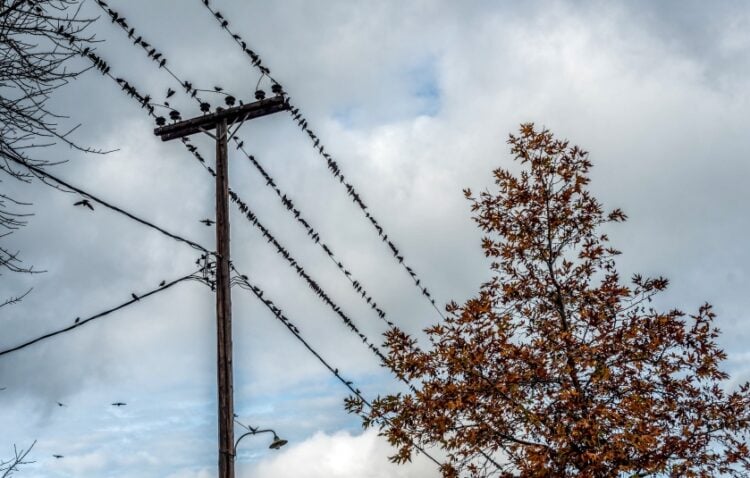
(7, 467)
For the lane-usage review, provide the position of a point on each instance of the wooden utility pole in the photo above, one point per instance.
(221, 121)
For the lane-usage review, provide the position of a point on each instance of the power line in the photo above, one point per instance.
(244, 283)
(80, 322)
(333, 167)
(315, 236)
(40, 172)
(252, 217)
(158, 57)
(143, 99)
(314, 286)
(145, 102)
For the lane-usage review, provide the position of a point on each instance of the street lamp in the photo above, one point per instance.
(275, 444)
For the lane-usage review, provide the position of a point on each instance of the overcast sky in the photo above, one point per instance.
(415, 101)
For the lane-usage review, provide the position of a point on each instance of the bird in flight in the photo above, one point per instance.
(60, 404)
(84, 203)
(57, 456)
(207, 221)
(119, 404)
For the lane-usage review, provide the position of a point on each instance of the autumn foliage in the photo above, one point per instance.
(557, 367)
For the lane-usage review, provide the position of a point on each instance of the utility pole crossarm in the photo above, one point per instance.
(231, 115)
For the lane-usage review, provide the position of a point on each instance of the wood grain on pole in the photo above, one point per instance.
(224, 308)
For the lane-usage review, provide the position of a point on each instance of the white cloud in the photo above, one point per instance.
(338, 455)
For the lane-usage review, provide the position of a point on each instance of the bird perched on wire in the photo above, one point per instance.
(207, 222)
(161, 284)
(119, 404)
(135, 297)
(84, 203)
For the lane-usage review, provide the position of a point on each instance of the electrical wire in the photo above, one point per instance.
(40, 172)
(349, 384)
(81, 322)
(331, 164)
(283, 197)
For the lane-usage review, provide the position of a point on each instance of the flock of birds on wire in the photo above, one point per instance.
(230, 100)
(146, 102)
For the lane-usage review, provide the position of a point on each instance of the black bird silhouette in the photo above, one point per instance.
(134, 296)
(161, 284)
(84, 203)
(78, 319)
(119, 404)
(58, 456)
(3, 388)
(60, 404)
(170, 92)
(218, 88)
(207, 221)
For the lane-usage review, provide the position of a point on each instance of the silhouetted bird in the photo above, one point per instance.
(218, 88)
(170, 92)
(134, 296)
(161, 284)
(207, 222)
(78, 319)
(84, 203)
(58, 456)
(60, 404)
(119, 404)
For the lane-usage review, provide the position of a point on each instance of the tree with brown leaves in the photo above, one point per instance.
(557, 368)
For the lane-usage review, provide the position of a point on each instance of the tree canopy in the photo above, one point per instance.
(558, 367)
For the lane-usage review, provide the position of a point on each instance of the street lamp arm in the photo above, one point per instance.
(276, 440)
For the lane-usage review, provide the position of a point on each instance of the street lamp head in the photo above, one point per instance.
(277, 442)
